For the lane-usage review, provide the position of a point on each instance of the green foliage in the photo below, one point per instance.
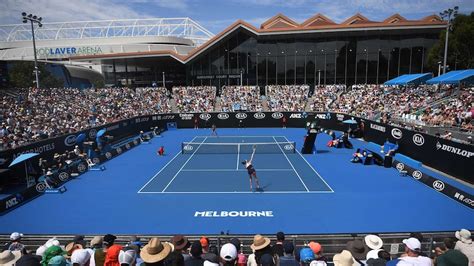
(22, 75)
(460, 47)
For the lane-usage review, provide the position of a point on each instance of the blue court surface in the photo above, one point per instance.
(205, 190)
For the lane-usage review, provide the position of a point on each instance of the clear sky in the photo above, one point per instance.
(216, 15)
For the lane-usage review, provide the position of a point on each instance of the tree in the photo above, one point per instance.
(22, 75)
(460, 47)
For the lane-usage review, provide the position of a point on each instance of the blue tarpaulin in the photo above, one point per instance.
(454, 77)
(410, 79)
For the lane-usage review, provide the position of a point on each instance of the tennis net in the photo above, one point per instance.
(245, 148)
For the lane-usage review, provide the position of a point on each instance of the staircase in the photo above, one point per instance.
(174, 109)
(218, 105)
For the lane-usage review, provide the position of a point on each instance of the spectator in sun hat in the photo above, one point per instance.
(111, 257)
(196, 252)
(412, 254)
(98, 254)
(70, 248)
(261, 246)
(343, 259)
(277, 249)
(15, 242)
(81, 257)
(127, 257)
(288, 259)
(8, 257)
(358, 250)
(228, 254)
(373, 242)
(464, 244)
(451, 257)
(181, 245)
(155, 252)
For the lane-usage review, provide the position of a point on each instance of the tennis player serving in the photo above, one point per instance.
(251, 170)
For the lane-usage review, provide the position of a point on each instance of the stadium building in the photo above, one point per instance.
(281, 51)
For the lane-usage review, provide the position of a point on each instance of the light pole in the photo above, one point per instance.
(33, 19)
(449, 15)
(164, 85)
(439, 68)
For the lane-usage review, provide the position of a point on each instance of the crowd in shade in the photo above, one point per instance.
(323, 96)
(195, 99)
(179, 251)
(36, 114)
(456, 111)
(287, 97)
(369, 100)
(240, 98)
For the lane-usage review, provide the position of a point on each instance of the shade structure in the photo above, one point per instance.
(410, 79)
(23, 158)
(454, 77)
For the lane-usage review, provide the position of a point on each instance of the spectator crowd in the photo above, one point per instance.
(36, 114)
(194, 99)
(287, 97)
(180, 251)
(240, 98)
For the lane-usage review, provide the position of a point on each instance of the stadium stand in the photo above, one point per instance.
(195, 99)
(323, 248)
(240, 98)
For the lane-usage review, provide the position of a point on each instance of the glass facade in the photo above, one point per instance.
(349, 57)
(341, 58)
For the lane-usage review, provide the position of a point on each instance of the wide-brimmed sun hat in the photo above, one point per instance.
(260, 242)
(155, 251)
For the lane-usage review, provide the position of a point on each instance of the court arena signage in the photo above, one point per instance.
(186, 116)
(377, 127)
(219, 214)
(277, 115)
(418, 139)
(464, 199)
(223, 116)
(241, 115)
(259, 115)
(205, 116)
(397, 133)
(454, 150)
(68, 51)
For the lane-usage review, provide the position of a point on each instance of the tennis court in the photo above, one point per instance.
(200, 191)
(216, 162)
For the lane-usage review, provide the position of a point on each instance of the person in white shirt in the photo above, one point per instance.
(465, 244)
(412, 254)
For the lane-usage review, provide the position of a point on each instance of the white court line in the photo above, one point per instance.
(140, 191)
(238, 157)
(238, 192)
(307, 190)
(190, 157)
(231, 170)
(312, 167)
(245, 136)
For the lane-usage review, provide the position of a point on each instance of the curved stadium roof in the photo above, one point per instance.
(176, 27)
